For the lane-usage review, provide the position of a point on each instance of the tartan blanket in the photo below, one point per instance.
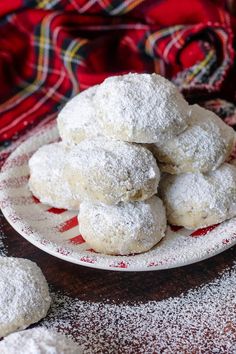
(52, 49)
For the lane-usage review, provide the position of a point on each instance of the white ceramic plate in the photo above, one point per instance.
(56, 231)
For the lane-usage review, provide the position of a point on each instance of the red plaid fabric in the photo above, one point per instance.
(52, 49)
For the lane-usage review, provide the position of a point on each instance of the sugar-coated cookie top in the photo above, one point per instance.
(50, 157)
(147, 216)
(115, 169)
(203, 146)
(38, 341)
(142, 108)
(118, 154)
(47, 166)
(214, 191)
(77, 120)
(124, 228)
(24, 294)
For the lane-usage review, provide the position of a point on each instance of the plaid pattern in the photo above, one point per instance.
(52, 49)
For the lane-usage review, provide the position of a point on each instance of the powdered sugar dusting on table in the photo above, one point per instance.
(201, 321)
(3, 248)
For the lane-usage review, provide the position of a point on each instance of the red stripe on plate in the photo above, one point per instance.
(225, 241)
(120, 265)
(203, 231)
(91, 250)
(36, 200)
(56, 210)
(87, 260)
(152, 264)
(69, 224)
(175, 228)
(77, 240)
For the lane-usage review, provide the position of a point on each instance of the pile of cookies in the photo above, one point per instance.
(118, 140)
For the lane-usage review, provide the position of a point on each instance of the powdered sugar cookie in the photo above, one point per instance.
(196, 200)
(203, 146)
(111, 171)
(124, 228)
(140, 108)
(24, 294)
(77, 120)
(38, 341)
(47, 181)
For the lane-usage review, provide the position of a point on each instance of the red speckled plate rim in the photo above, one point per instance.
(56, 231)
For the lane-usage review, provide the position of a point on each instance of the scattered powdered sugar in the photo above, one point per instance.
(24, 294)
(3, 247)
(111, 171)
(201, 321)
(77, 120)
(38, 341)
(203, 146)
(140, 108)
(135, 227)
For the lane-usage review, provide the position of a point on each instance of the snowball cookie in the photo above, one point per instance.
(196, 200)
(24, 294)
(38, 341)
(77, 120)
(203, 146)
(125, 228)
(140, 108)
(47, 181)
(111, 171)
